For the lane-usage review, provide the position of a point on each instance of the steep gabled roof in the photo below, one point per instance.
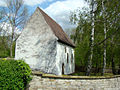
(57, 30)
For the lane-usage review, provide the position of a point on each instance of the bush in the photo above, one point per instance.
(14, 74)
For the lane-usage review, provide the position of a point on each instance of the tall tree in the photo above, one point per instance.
(81, 35)
(89, 66)
(106, 29)
(16, 15)
(105, 32)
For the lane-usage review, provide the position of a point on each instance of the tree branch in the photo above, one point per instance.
(107, 37)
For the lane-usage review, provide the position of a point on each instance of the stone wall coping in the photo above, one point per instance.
(43, 75)
(7, 59)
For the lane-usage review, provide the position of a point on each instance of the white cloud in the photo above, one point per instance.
(60, 11)
(50, 0)
(33, 2)
(2, 3)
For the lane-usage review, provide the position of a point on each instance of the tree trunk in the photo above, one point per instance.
(113, 66)
(105, 32)
(11, 44)
(112, 57)
(91, 41)
(104, 56)
(4, 43)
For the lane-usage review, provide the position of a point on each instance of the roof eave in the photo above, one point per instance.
(73, 46)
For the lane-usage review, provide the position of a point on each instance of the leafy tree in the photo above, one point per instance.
(98, 30)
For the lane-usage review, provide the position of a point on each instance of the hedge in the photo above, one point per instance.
(14, 74)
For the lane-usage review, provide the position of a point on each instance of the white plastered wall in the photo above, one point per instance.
(61, 58)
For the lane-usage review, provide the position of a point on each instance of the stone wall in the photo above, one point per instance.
(74, 83)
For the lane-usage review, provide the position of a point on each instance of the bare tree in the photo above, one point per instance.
(16, 14)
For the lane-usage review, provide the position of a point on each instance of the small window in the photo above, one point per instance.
(63, 68)
(71, 58)
(65, 49)
(67, 58)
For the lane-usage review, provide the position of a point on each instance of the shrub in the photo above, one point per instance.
(14, 74)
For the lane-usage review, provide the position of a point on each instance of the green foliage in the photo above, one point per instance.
(14, 75)
(81, 52)
(5, 47)
(13, 49)
(81, 35)
(3, 52)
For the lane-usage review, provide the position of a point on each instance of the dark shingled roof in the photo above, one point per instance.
(56, 28)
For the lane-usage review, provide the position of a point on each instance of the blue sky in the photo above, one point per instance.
(59, 10)
(43, 5)
(46, 4)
